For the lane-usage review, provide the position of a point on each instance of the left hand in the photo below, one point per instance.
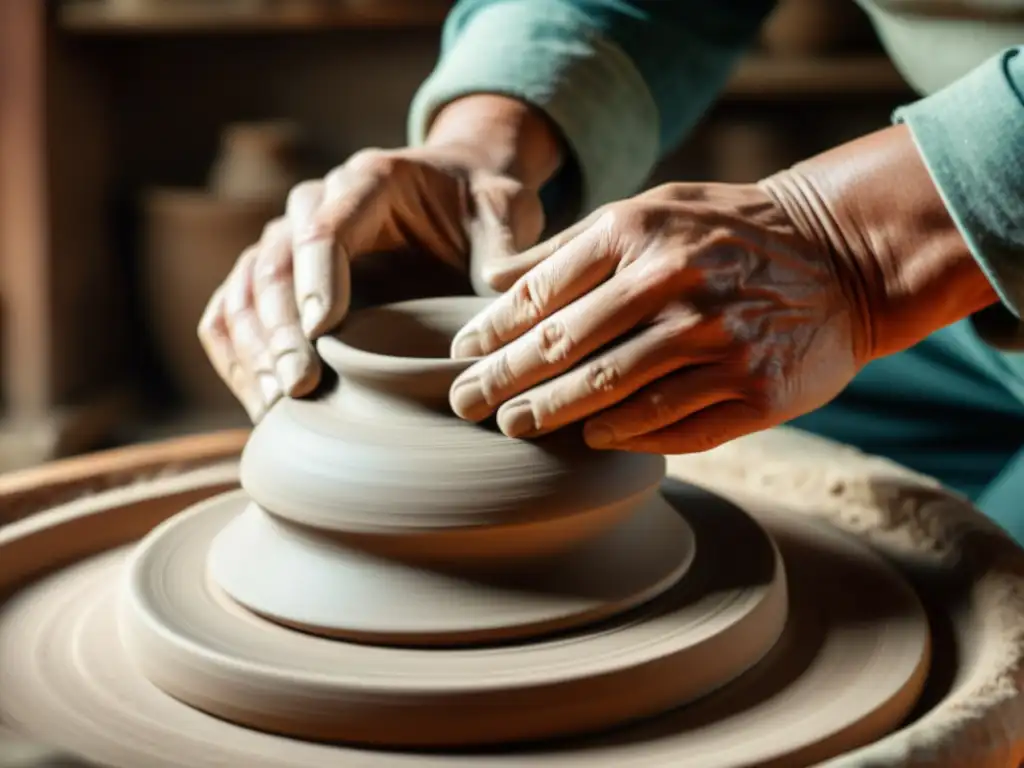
(671, 323)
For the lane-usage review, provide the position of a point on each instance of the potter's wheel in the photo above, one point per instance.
(536, 605)
(849, 664)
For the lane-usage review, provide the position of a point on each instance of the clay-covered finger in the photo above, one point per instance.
(608, 377)
(706, 429)
(216, 340)
(248, 340)
(312, 257)
(500, 274)
(582, 263)
(663, 403)
(296, 365)
(555, 344)
(343, 226)
(508, 218)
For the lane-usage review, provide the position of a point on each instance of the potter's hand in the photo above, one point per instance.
(694, 314)
(466, 198)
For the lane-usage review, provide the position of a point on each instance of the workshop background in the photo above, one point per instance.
(144, 143)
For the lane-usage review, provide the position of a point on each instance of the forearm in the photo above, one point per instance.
(874, 209)
(971, 137)
(502, 134)
(622, 81)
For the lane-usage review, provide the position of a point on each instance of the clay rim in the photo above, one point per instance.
(369, 346)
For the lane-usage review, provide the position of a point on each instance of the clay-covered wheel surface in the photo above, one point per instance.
(847, 669)
(193, 643)
(306, 580)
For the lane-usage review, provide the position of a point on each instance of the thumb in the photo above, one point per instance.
(508, 218)
(502, 274)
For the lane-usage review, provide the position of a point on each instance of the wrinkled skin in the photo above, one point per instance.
(293, 285)
(671, 322)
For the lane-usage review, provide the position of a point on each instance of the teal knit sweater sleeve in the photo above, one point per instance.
(971, 136)
(624, 81)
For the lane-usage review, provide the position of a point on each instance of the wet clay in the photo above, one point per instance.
(778, 602)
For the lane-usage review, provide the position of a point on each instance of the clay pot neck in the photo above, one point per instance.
(397, 357)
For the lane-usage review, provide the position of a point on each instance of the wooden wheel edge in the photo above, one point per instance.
(25, 492)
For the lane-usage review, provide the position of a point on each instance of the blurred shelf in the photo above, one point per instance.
(96, 17)
(760, 76)
(765, 77)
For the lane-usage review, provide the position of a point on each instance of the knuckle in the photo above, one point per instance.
(237, 304)
(334, 177)
(622, 217)
(660, 192)
(657, 269)
(547, 407)
(701, 441)
(288, 338)
(274, 230)
(246, 261)
(553, 341)
(495, 378)
(654, 408)
(528, 297)
(273, 267)
(602, 376)
(768, 388)
(210, 323)
(609, 220)
(373, 160)
(212, 319)
(676, 331)
(305, 190)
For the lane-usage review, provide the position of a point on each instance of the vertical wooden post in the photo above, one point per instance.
(24, 247)
(60, 290)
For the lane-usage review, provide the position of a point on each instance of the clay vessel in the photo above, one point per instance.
(375, 514)
(379, 460)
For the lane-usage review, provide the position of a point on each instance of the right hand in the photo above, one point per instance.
(293, 285)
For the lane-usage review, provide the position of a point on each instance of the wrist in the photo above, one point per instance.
(501, 135)
(872, 206)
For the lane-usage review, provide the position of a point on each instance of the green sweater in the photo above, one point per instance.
(626, 81)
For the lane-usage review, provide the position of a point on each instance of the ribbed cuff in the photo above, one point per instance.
(542, 52)
(970, 137)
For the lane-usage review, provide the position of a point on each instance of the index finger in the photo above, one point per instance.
(565, 267)
(330, 228)
(555, 345)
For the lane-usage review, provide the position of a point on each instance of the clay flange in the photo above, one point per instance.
(300, 578)
(703, 632)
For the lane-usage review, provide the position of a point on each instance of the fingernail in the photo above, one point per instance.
(313, 311)
(293, 370)
(467, 399)
(517, 419)
(270, 389)
(598, 435)
(466, 344)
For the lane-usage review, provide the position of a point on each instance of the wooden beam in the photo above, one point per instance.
(24, 243)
